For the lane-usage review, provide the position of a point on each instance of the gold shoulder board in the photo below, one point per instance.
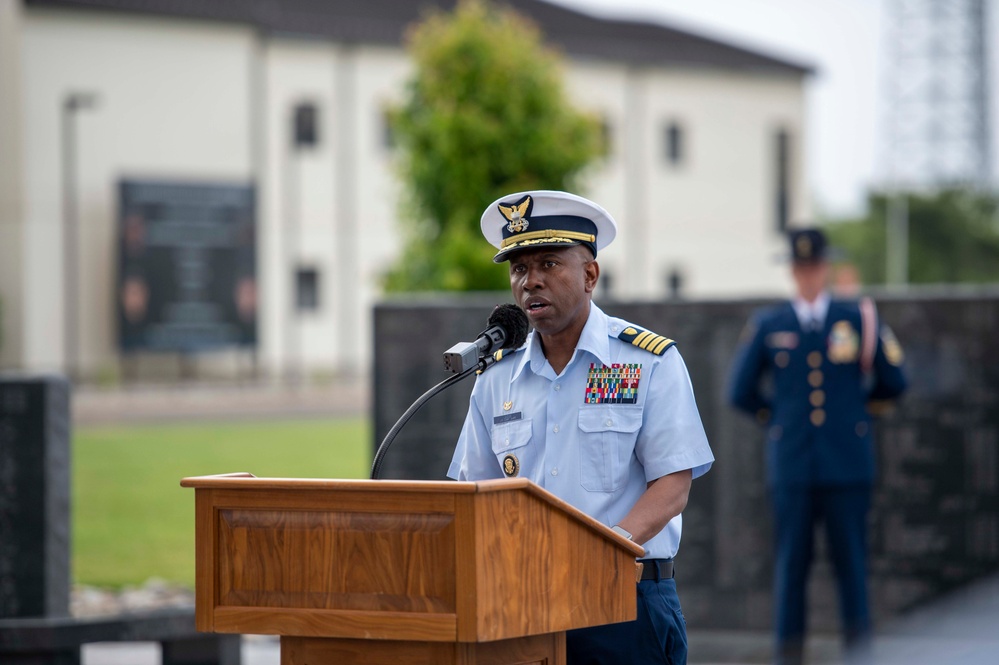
(648, 341)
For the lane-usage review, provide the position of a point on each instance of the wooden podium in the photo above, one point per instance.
(383, 571)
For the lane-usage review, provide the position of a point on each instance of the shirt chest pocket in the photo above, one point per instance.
(508, 437)
(606, 443)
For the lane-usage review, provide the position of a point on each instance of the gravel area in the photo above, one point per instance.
(88, 601)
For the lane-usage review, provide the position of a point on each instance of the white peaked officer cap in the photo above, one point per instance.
(545, 218)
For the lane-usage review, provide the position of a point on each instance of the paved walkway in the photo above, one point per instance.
(960, 629)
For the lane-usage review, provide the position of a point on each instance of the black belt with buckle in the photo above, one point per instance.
(656, 569)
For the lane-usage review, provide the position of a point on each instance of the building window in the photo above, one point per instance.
(307, 289)
(674, 143)
(674, 283)
(306, 125)
(782, 179)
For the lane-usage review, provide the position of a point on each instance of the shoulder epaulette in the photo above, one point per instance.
(643, 339)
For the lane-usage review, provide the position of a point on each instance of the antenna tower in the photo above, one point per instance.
(937, 90)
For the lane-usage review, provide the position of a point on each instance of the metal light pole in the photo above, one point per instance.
(72, 102)
(897, 238)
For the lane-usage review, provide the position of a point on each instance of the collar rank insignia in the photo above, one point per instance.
(517, 214)
(643, 339)
(617, 384)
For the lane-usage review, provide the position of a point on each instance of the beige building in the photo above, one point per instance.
(706, 162)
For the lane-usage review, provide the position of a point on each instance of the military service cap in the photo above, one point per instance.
(543, 218)
(808, 245)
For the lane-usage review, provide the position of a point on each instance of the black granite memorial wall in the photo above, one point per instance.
(34, 497)
(935, 525)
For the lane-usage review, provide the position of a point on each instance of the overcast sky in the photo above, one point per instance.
(841, 39)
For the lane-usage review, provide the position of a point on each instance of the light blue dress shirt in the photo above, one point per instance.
(524, 420)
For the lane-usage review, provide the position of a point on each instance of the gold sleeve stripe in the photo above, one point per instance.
(662, 346)
(652, 342)
(649, 342)
(642, 337)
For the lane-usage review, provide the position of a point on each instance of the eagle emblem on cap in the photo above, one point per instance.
(804, 246)
(516, 214)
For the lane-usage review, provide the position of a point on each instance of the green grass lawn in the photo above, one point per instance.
(133, 521)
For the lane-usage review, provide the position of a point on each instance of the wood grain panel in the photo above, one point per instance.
(306, 651)
(336, 560)
(533, 650)
(320, 499)
(337, 623)
(204, 560)
(565, 579)
(466, 590)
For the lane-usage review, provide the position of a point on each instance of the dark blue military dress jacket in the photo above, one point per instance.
(810, 391)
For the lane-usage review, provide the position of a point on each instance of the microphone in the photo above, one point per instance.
(507, 330)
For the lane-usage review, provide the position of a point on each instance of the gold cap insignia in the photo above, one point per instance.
(516, 214)
(804, 246)
(511, 466)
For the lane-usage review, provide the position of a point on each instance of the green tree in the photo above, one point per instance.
(485, 115)
(953, 237)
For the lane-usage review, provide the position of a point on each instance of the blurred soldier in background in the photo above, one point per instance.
(826, 360)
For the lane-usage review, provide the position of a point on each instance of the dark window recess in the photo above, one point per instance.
(307, 289)
(674, 143)
(674, 283)
(306, 127)
(782, 180)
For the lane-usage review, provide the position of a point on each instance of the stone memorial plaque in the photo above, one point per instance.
(34, 497)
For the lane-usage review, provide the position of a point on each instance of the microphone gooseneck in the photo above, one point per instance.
(507, 329)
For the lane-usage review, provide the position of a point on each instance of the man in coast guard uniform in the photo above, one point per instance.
(598, 411)
(829, 361)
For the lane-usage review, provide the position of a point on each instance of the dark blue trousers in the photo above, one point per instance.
(657, 635)
(843, 512)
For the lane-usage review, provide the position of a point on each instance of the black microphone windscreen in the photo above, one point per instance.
(512, 319)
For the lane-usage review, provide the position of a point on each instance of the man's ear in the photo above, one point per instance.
(591, 273)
